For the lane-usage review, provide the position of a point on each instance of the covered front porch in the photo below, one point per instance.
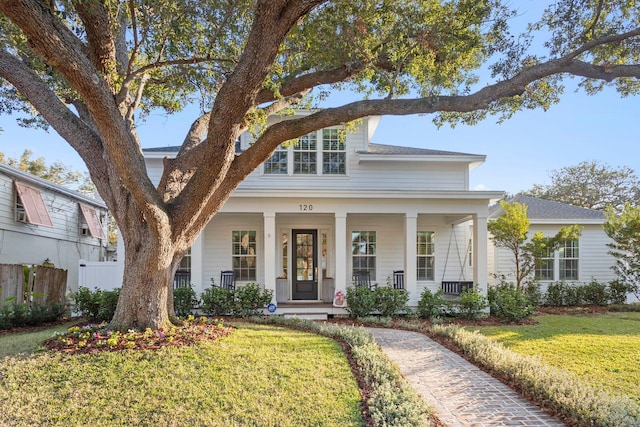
(307, 249)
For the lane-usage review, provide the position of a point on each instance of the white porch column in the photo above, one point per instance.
(270, 252)
(480, 242)
(341, 251)
(410, 268)
(197, 254)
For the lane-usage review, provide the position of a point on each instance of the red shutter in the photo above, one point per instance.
(91, 216)
(34, 207)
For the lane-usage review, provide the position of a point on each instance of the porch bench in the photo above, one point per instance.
(455, 287)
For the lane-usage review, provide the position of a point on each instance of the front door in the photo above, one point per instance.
(305, 265)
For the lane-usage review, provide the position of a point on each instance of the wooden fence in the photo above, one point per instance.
(43, 284)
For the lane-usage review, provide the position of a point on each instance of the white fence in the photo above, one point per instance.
(101, 275)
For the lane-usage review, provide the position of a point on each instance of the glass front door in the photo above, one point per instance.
(305, 265)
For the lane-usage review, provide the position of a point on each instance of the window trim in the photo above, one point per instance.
(251, 269)
(575, 252)
(32, 201)
(368, 256)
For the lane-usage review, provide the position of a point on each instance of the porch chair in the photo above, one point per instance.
(362, 278)
(398, 279)
(228, 280)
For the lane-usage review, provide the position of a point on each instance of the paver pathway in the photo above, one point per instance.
(459, 392)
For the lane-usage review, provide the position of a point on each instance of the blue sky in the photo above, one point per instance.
(520, 152)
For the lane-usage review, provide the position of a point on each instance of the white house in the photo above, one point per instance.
(44, 222)
(314, 214)
(578, 261)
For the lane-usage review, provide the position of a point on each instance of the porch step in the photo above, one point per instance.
(307, 316)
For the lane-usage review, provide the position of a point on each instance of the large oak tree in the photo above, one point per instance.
(92, 69)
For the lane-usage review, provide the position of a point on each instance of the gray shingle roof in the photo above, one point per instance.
(397, 150)
(373, 149)
(547, 209)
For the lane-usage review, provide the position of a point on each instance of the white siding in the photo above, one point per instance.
(63, 245)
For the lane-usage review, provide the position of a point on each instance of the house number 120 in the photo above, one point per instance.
(306, 207)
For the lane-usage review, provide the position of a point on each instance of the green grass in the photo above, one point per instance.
(28, 342)
(602, 349)
(258, 376)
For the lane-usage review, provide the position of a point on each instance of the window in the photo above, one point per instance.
(305, 154)
(545, 270)
(363, 250)
(333, 153)
(285, 254)
(93, 223)
(426, 249)
(568, 266)
(243, 254)
(308, 157)
(30, 206)
(277, 163)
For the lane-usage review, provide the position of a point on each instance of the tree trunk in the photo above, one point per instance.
(147, 283)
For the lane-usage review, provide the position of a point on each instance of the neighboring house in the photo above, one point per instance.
(315, 214)
(44, 222)
(578, 261)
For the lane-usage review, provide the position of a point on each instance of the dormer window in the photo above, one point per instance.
(308, 157)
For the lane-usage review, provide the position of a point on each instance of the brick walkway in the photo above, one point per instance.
(459, 392)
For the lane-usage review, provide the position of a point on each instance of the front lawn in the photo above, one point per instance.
(602, 349)
(258, 376)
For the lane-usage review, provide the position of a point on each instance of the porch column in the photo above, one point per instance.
(410, 268)
(480, 242)
(197, 251)
(341, 251)
(270, 252)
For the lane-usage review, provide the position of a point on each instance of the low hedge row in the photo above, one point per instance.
(14, 315)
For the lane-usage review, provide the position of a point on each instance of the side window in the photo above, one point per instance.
(243, 254)
(363, 251)
(426, 255)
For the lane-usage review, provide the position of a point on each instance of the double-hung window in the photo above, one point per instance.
(568, 257)
(277, 163)
(305, 155)
(243, 254)
(363, 252)
(333, 153)
(426, 254)
(545, 268)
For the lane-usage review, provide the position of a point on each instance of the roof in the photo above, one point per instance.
(542, 209)
(43, 183)
(373, 149)
(398, 150)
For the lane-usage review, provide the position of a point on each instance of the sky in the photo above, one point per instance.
(520, 152)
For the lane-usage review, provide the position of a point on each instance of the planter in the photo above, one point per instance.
(282, 290)
(328, 289)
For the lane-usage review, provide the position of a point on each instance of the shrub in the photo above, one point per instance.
(360, 301)
(389, 301)
(97, 305)
(217, 301)
(618, 291)
(595, 293)
(508, 303)
(432, 305)
(250, 300)
(573, 295)
(20, 315)
(471, 304)
(6, 316)
(555, 294)
(184, 300)
(533, 293)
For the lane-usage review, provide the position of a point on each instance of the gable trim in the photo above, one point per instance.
(34, 206)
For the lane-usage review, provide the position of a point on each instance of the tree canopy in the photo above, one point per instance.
(592, 185)
(93, 69)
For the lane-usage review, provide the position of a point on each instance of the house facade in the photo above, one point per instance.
(41, 222)
(577, 261)
(335, 204)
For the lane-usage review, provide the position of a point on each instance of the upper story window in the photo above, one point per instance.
(321, 152)
(92, 224)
